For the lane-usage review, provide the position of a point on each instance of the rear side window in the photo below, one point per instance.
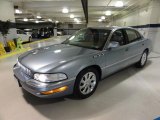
(132, 35)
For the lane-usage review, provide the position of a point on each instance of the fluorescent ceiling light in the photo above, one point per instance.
(50, 20)
(39, 17)
(103, 17)
(71, 16)
(99, 20)
(119, 4)
(18, 11)
(108, 13)
(57, 21)
(75, 19)
(65, 10)
(78, 21)
(25, 19)
(36, 21)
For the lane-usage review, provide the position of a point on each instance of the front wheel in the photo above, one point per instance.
(143, 60)
(86, 83)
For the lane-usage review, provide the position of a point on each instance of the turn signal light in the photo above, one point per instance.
(61, 89)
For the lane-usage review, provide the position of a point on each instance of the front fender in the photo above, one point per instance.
(73, 67)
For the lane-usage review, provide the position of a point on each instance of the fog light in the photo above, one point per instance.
(61, 89)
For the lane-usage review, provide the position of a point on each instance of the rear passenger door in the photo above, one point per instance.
(134, 47)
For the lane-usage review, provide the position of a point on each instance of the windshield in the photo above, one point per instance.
(89, 38)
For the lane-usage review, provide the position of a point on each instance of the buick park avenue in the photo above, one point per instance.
(77, 65)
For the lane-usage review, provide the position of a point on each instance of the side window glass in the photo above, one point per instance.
(118, 37)
(138, 35)
(132, 35)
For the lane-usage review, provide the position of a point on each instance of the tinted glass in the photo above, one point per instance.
(132, 35)
(89, 38)
(118, 37)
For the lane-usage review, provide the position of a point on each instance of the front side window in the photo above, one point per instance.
(118, 37)
(89, 38)
(132, 35)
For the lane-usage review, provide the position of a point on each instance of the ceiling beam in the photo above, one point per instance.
(85, 9)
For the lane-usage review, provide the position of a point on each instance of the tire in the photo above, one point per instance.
(142, 62)
(86, 83)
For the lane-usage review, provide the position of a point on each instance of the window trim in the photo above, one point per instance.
(123, 32)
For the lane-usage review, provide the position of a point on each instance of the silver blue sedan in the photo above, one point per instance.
(79, 63)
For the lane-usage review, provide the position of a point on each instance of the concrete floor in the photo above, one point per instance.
(131, 94)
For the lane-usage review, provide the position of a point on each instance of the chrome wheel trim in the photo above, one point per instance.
(87, 83)
(144, 58)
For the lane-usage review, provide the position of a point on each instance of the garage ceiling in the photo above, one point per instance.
(52, 9)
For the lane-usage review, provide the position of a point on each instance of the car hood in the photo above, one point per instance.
(53, 56)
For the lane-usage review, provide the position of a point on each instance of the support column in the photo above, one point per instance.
(55, 32)
(7, 13)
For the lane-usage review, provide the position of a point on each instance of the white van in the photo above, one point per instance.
(25, 37)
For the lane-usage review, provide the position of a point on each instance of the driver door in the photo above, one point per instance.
(115, 55)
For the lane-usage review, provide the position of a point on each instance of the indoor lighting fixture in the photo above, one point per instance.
(36, 21)
(99, 20)
(108, 13)
(18, 11)
(71, 16)
(57, 21)
(50, 20)
(39, 17)
(78, 21)
(25, 19)
(103, 17)
(65, 10)
(119, 4)
(75, 19)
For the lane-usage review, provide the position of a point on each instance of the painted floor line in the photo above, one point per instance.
(42, 40)
(14, 53)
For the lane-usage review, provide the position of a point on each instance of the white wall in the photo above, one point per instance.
(96, 24)
(138, 17)
(69, 30)
(147, 15)
(7, 13)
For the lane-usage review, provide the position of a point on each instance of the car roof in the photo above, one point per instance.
(111, 28)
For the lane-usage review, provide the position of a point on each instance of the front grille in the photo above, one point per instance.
(25, 70)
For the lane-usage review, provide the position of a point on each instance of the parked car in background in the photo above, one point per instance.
(28, 31)
(44, 33)
(24, 36)
(79, 63)
(35, 33)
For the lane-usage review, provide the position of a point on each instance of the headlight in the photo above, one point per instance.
(50, 77)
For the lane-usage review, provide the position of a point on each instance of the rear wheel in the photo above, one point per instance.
(143, 60)
(86, 83)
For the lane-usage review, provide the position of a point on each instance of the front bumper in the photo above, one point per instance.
(35, 87)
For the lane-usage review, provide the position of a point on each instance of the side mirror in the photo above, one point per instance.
(113, 44)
